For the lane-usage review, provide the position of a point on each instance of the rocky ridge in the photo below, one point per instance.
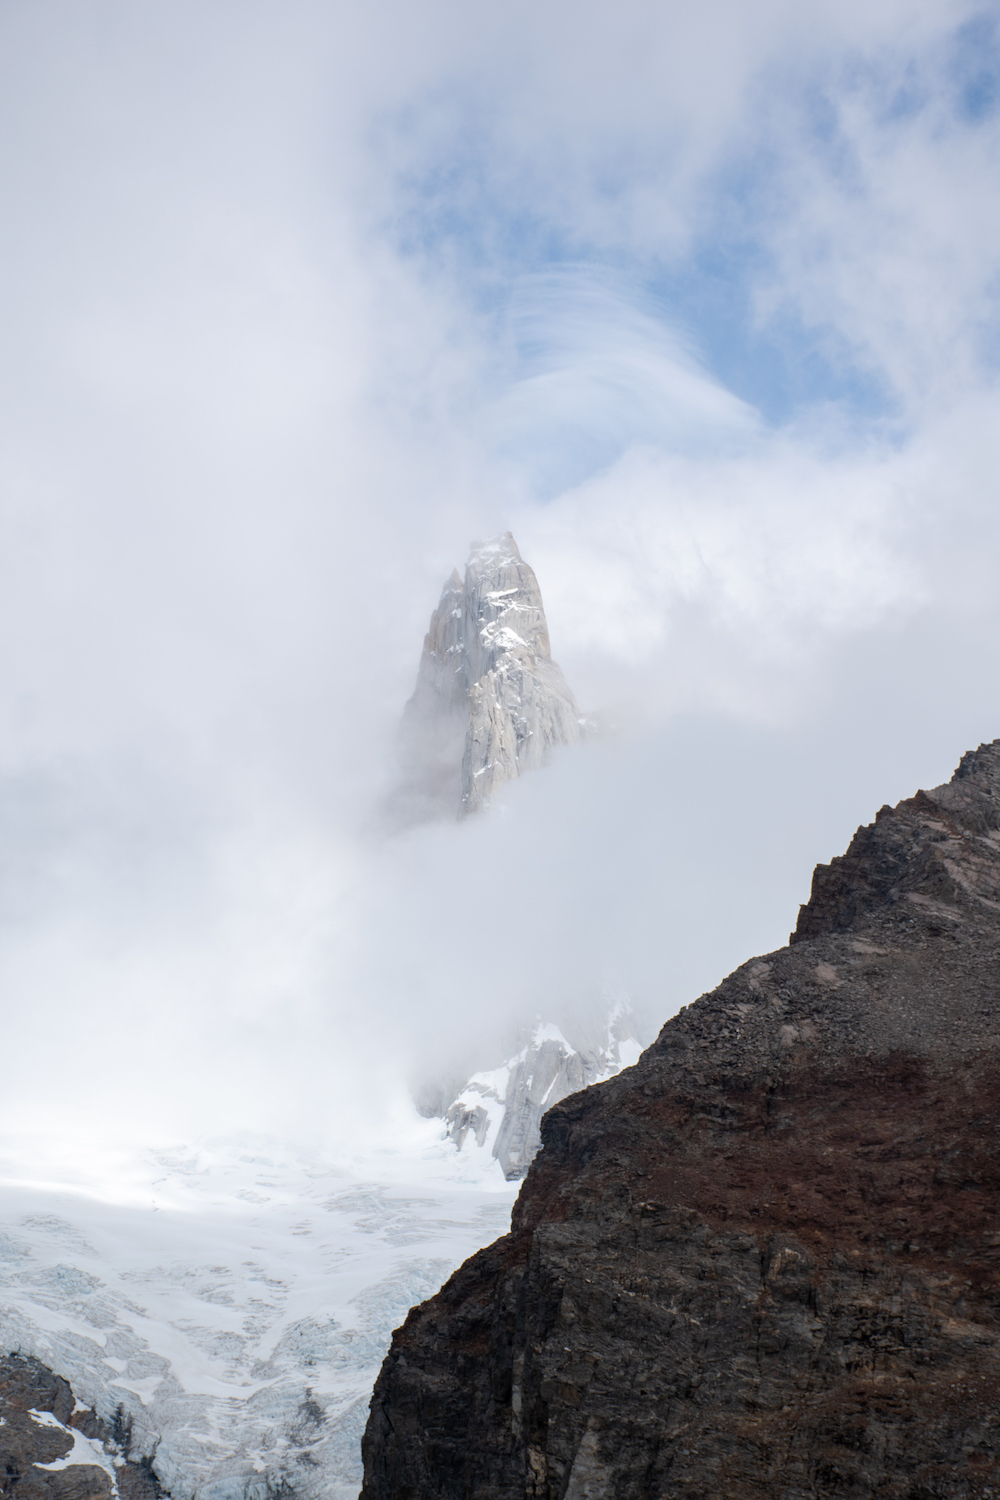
(52, 1448)
(765, 1261)
(500, 1110)
(490, 703)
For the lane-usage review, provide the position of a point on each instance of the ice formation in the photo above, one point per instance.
(240, 1304)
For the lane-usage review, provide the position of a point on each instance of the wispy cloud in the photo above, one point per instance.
(594, 375)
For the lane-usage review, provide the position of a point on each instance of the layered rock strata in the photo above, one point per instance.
(490, 703)
(764, 1262)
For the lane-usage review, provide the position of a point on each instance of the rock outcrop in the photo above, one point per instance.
(51, 1448)
(764, 1262)
(490, 703)
(500, 1111)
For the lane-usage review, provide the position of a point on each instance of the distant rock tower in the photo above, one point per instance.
(500, 1110)
(490, 703)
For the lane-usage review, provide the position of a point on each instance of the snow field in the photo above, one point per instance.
(240, 1303)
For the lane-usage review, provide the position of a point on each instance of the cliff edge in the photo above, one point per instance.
(765, 1261)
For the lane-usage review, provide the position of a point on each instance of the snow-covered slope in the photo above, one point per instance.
(240, 1302)
(490, 703)
(237, 1299)
(499, 1112)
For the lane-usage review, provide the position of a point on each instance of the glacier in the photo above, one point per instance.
(236, 1297)
(238, 1302)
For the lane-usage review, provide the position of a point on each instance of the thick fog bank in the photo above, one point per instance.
(702, 307)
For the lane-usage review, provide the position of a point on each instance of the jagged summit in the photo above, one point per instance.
(490, 703)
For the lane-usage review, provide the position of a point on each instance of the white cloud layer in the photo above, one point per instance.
(297, 303)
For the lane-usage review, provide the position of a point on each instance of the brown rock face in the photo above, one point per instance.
(765, 1262)
(38, 1422)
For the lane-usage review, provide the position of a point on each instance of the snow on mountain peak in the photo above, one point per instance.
(490, 703)
(501, 1110)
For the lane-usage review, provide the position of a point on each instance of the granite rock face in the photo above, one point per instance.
(765, 1261)
(490, 703)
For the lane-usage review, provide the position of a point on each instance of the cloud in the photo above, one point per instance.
(881, 234)
(594, 374)
(298, 303)
(782, 550)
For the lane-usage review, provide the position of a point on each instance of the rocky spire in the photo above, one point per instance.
(490, 703)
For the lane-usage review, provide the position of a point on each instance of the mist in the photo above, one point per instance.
(299, 303)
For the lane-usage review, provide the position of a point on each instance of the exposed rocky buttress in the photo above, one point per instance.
(764, 1262)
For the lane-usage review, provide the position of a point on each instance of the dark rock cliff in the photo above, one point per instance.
(40, 1453)
(764, 1262)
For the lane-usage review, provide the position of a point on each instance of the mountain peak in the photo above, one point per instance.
(490, 703)
(495, 548)
(501, 1109)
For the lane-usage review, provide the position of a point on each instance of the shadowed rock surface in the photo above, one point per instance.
(52, 1449)
(490, 703)
(764, 1262)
